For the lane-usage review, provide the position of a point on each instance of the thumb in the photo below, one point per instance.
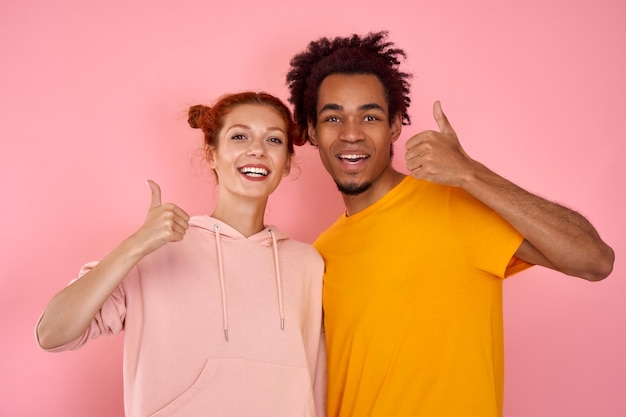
(156, 194)
(442, 120)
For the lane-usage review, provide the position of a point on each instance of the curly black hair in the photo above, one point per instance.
(370, 54)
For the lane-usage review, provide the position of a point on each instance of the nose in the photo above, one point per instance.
(351, 131)
(256, 148)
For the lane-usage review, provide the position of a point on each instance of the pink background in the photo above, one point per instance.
(93, 101)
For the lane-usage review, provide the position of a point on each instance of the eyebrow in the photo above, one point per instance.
(246, 127)
(238, 126)
(337, 107)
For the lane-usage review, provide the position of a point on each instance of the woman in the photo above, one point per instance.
(222, 314)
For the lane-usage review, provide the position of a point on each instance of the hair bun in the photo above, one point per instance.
(196, 114)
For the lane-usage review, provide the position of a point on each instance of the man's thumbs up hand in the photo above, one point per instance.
(438, 156)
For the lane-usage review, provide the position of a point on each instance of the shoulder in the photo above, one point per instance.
(301, 256)
(301, 248)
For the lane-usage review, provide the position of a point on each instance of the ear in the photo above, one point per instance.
(311, 132)
(210, 156)
(396, 127)
(287, 167)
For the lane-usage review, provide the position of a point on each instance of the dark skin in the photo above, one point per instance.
(554, 236)
(354, 134)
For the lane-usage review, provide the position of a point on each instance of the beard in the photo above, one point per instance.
(356, 189)
(353, 189)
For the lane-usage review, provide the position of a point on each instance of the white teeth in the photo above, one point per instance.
(352, 157)
(254, 172)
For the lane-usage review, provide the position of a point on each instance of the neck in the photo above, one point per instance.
(247, 217)
(379, 188)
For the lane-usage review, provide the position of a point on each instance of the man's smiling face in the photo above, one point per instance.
(353, 132)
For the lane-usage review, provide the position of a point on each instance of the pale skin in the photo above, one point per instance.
(70, 311)
(354, 133)
(253, 136)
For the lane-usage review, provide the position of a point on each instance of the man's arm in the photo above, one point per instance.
(555, 236)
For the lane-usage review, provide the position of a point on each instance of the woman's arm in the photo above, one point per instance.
(70, 311)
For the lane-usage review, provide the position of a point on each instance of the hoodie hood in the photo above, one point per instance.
(269, 236)
(263, 238)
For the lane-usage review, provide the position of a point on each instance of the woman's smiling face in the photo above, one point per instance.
(251, 156)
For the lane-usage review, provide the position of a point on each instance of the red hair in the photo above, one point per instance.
(211, 119)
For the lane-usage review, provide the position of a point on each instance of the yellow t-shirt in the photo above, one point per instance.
(413, 305)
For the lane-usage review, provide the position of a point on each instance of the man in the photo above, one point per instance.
(414, 267)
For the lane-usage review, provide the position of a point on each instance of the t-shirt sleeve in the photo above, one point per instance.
(108, 321)
(490, 242)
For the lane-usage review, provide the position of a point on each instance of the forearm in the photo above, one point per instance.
(555, 236)
(70, 311)
(564, 238)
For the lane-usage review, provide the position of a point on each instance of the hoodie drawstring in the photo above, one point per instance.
(279, 288)
(220, 264)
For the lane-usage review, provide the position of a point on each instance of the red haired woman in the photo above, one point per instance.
(221, 313)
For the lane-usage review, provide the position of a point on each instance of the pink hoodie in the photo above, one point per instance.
(220, 325)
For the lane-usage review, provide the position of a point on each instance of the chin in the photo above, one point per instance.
(353, 189)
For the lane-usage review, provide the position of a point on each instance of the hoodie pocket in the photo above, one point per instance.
(241, 387)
